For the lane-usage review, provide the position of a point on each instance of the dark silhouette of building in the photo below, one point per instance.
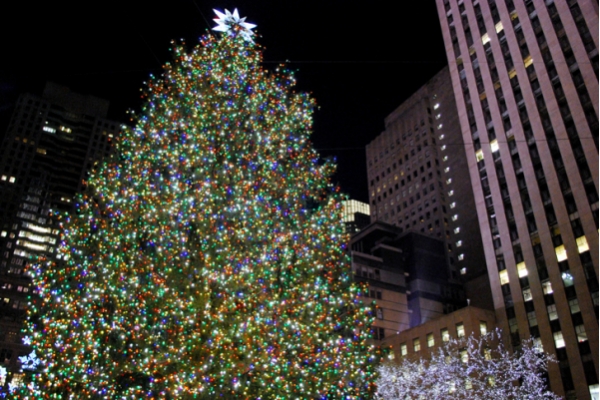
(51, 143)
(525, 77)
(406, 276)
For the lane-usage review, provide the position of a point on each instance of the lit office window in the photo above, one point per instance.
(582, 244)
(503, 277)
(561, 253)
(522, 269)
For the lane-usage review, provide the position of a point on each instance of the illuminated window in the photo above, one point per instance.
(438, 116)
(430, 340)
(451, 193)
(479, 155)
(468, 384)
(528, 61)
(436, 106)
(442, 136)
(461, 257)
(499, 27)
(522, 269)
(559, 341)
(485, 38)
(547, 287)
(503, 277)
(443, 147)
(561, 253)
(463, 271)
(494, 146)
(448, 181)
(379, 313)
(460, 330)
(3, 177)
(3, 234)
(574, 306)
(12, 179)
(581, 335)
(552, 313)
(49, 129)
(464, 356)
(483, 327)
(457, 229)
(459, 243)
(454, 217)
(447, 169)
(582, 244)
(453, 204)
(445, 158)
(567, 278)
(440, 126)
(445, 335)
(41, 151)
(416, 345)
(403, 349)
(487, 354)
(527, 296)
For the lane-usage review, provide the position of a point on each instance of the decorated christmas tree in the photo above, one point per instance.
(207, 258)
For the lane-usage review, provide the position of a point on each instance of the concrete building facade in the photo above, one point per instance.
(525, 78)
(419, 181)
(51, 143)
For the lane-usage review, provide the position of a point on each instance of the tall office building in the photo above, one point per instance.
(525, 78)
(419, 182)
(51, 143)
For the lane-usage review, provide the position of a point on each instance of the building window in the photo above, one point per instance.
(582, 245)
(445, 335)
(567, 278)
(503, 277)
(460, 330)
(522, 269)
(463, 271)
(12, 179)
(464, 356)
(416, 345)
(552, 314)
(379, 313)
(559, 341)
(403, 349)
(456, 230)
(574, 306)
(494, 146)
(527, 296)
(532, 318)
(459, 243)
(479, 155)
(430, 340)
(461, 257)
(483, 327)
(547, 287)
(561, 253)
(454, 217)
(581, 335)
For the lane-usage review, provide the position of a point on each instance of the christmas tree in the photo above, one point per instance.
(207, 257)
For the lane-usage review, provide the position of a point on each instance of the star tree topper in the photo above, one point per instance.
(226, 21)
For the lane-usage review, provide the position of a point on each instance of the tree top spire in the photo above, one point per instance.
(227, 21)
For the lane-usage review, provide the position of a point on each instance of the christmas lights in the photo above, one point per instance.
(207, 256)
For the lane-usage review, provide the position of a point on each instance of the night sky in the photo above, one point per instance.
(360, 60)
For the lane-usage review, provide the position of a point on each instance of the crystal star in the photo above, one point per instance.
(226, 21)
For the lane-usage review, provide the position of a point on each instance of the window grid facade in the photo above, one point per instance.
(526, 73)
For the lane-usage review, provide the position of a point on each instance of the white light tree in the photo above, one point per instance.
(469, 368)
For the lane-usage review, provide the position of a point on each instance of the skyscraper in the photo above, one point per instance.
(419, 182)
(51, 143)
(525, 78)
